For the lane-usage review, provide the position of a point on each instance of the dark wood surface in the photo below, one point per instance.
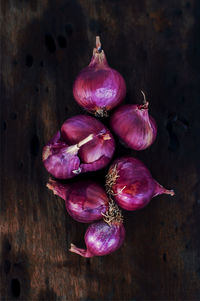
(155, 45)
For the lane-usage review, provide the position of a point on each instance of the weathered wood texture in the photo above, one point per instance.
(155, 45)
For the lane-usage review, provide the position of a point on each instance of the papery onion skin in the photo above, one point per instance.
(97, 153)
(101, 239)
(99, 88)
(131, 185)
(58, 161)
(85, 200)
(134, 126)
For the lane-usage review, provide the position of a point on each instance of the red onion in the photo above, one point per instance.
(103, 237)
(60, 159)
(134, 125)
(84, 144)
(130, 183)
(99, 88)
(85, 201)
(98, 152)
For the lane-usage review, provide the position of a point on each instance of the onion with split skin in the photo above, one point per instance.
(99, 88)
(99, 151)
(60, 159)
(83, 144)
(131, 185)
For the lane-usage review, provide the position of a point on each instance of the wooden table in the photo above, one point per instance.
(155, 45)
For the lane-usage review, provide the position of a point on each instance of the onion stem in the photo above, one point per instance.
(98, 44)
(86, 140)
(170, 192)
(79, 251)
(159, 189)
(73, 149)
(145, 102)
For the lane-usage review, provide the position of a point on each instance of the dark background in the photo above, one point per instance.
(156, 47)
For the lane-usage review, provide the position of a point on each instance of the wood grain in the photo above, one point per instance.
(155, 45)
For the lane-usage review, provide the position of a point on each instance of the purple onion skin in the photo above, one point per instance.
(134, 186)
(101, 239)
(98, 86)
(96, 165)
(85, 200)
(58, 188)
(57, 161)
(78, 127)
(134, 125)
(97, 153)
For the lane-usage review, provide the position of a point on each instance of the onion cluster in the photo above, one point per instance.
(85, 144)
